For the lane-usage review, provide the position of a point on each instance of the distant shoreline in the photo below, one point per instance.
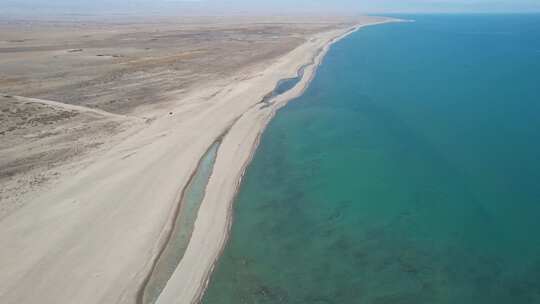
(181, 285)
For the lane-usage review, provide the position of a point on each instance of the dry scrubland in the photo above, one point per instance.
(119, 66)
(134, 69)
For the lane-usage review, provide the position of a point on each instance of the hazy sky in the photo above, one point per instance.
(273, 6)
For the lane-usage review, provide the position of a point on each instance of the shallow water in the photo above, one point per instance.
(408, 172)
(183, 227)
(286, 84)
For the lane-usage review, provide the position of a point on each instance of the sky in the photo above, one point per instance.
(219, 7)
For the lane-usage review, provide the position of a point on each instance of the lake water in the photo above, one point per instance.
(182, 229)
(408, 172)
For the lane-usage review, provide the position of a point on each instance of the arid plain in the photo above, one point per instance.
(138, 70)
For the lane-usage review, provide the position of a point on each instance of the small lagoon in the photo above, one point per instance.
(182, 229)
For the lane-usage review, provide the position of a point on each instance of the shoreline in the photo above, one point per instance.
(273, 104)
(94, 236)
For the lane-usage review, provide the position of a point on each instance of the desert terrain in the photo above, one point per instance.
(137, 69)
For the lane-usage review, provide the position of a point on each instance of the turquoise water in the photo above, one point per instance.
(183, 227)
(408, 172)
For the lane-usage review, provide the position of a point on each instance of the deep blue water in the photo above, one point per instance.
(408, 172)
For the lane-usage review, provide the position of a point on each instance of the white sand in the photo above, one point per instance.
(92, 238)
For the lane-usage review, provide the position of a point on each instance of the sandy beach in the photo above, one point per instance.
(92, 234)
